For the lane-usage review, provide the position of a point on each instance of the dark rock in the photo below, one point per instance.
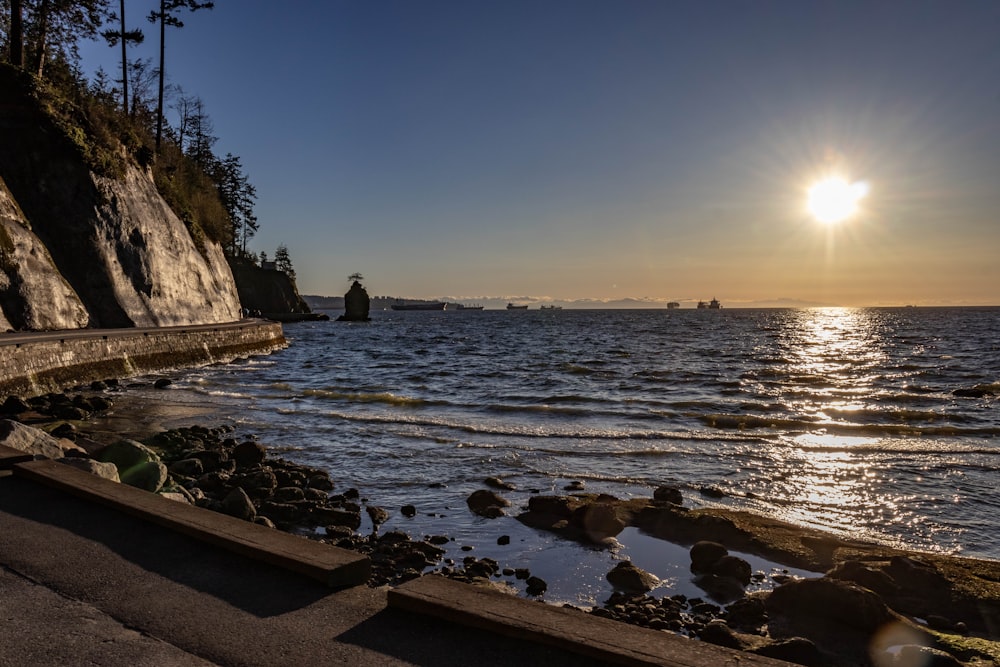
(248, 454)
(64, 430)
(409, 511)
(71, 412)
(799, 650)
(438, 539)
(336, 517)
(718, 633)
(575, 485)
(497, 483)
(973, 392)
(377, 515)
(733, 567)
(352, 494)
(258, 484)
(356, 304)
(212, 460)
(597, 521)
(536, 586)
(149, 476)
(830, 599)
(487, 504)
(320, 481)
(627, 577)
(503, 540)
(705, 554)
(100, 404)
(559, 506)
(863, 575)
(281, 513)
(238, 504)
(187, 468)
(522, 573)
(162, 383)
(712, 492)
(98, 385)
(14, 405)
(925, 656)
(723, 589)
(668, 494)
(748, 612)
(338, 531)
(288, 494)
(214, 482)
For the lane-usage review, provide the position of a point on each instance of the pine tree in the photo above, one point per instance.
(125, 37)
(283, 262)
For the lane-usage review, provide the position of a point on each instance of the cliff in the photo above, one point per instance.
(266, 291)
(79, 249)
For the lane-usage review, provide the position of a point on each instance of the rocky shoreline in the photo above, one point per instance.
(874, 605)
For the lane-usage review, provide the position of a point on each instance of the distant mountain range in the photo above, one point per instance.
(499, 303)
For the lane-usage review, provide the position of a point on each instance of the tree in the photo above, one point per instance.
(186, 106)
(126, 37)
(16, 34)
(283, 262)
(238, 197)
(57, 25)
(167, 16)
(263, 258)
(198, 127)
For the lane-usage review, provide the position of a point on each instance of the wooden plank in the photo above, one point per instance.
(567, 629)
(9, 456)
(333, 566)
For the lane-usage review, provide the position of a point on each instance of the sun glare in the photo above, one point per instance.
(834, 199)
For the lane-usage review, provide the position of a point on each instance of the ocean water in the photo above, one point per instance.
(839, 419)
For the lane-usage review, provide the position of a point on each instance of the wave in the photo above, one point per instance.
(375, 397)
(733, 421)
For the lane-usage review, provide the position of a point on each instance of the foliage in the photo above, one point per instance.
(283, 262)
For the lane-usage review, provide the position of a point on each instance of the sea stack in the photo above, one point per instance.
(356, 303)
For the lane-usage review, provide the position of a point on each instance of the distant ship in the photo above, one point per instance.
(476, 306)
(433, 305)
(711, 305)
(511, 306)
(550, 307)
(671, 305)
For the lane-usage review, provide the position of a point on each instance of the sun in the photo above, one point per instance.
(834, 200)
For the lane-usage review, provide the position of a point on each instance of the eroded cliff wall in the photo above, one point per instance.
(114, 241)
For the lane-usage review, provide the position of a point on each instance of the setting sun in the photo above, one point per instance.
(834, 199)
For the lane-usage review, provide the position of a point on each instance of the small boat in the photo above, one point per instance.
(511, 306)
(551, 307)
(672, 305)
(432, 305)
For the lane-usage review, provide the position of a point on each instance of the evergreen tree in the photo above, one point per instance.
(283, 262)
(238, 197)
(55, 26)
(125, 37)
(168, 16)
(16, 34)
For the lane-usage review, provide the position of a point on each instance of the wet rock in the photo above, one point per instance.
(248, 454)
(734, 568)
(127, 454)
(238, 504)
(536, 586)
(64, 430)
(162, 383)
(723, 589)
(497, 483)
(258, 484)
(668, 494)
(336, 517)
(338, 531)
(320, 481)
(377, 515)
(503, 540)
(597, 521)
(748, 612)
(149, 476)
(288, 494)
(627, 577)
(719, 633)
(187, 468)
(799, 650)
(214, 482)
(281, 513)
(14, 405)
(705, 554)
(830, 600)
(871, 578)
(972, 392)
(487, 504)
(409, 511)
(924, 656)
(104, 470)
(575, 485)
(71, 412)
(712, 492)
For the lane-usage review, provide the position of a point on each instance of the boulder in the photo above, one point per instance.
(497, 483)
(377, 515)
(128, 454)
(723, 589)
(628, 578)
(799, 650)
(14, 405)
(188, 467)
(487, 503)
(719, 633)
(598, 521)
(104, 470)
(734, 568)
(705, 554)
(668, 494)
(29, 440)
(238, 504)
(830, 600)
(248, 454)
(149, 476)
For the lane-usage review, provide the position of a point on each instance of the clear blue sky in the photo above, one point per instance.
(576, 149)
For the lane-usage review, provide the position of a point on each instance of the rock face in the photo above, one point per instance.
(125, 259)
(267, 291)
(356, 304)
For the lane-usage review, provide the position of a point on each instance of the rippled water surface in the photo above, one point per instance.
(843, 419)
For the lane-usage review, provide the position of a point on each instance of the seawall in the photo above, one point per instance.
(36, 363)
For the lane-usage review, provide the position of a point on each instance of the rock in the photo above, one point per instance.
(162, 383)
(668, 494)
(64, 430)
(288, 494)
(338, 531)
(597, 521)
(748, 612)
(261, 520)
(14, 405)
(558, 506)
(409, 511)
(712, 492)
(336, 517)
(733, 567)
(973, 392)
(103, 470)
(175, 496)
(723, 589)
(149, 476)
(863, 575)
(830, 600)
(213, 460)
(536, 586)
(29, 440)
(248, 454)
(187, 467)
(487, 504)
(627, 577)
(705, 554)
(377, 515)
(238, 504)
(320, 482)
(503, 540)
(283, 513)
(497, 483)
(719, 633)
(128, 454)
(799, 650)
(575, 485)
(924, 656)
(258, 484)
(356, 304)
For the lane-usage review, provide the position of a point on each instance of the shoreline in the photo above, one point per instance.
(958, 587)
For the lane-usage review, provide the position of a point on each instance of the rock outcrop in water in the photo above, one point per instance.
(80, 249)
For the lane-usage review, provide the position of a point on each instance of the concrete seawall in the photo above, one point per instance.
(32, 364)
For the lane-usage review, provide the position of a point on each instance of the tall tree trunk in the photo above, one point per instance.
(159, 102)
(16, 34)
(43, 36)
(124, 60)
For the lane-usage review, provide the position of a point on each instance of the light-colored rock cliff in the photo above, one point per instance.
(33, 294)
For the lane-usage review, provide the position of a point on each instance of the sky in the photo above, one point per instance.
(571, 149)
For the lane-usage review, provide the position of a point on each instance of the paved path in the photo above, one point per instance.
(22, 337)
